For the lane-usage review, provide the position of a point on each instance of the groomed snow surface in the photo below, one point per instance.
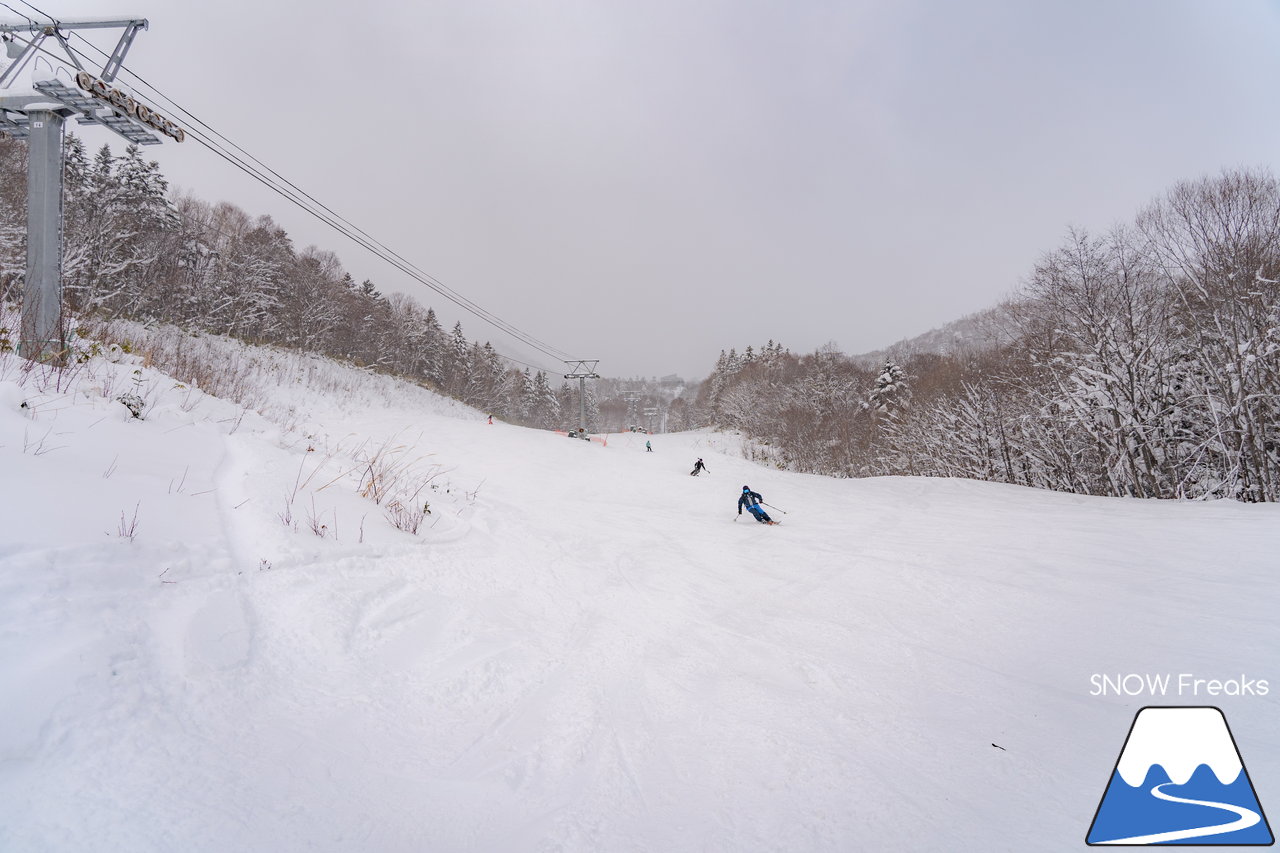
(214, 638)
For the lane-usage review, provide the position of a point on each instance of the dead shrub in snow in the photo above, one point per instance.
(219, 367)
(394, 481)
(407, 518)
(385, 471)
(128, 528)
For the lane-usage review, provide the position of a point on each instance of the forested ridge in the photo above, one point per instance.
(131, 251)
(1142, 361)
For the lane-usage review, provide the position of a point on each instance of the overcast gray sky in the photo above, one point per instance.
(649, 182)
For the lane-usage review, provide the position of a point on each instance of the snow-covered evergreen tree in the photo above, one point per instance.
(13, 219)
(431, 341)
(457, 368)
(143, 191)
(890, 393)
(544, 408)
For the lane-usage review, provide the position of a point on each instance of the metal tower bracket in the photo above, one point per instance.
(36, 32)
(584, 369)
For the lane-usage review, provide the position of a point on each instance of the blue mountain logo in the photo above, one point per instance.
(1180, 780)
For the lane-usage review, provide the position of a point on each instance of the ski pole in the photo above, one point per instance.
(771, 506)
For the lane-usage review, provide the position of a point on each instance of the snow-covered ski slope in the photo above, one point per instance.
(211, 641)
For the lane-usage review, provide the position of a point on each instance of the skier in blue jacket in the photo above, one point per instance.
(751, 500)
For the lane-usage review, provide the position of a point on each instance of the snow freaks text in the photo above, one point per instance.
(1169, 684)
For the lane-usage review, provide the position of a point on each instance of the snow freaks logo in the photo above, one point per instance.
(1180, 780)
(1182, 684)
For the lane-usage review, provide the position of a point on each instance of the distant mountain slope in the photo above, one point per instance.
(975, 332)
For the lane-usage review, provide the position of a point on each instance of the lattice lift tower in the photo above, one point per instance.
(582, 370)
(40, 118)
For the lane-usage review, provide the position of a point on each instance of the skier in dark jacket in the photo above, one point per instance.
(751, 500)
(698, 466)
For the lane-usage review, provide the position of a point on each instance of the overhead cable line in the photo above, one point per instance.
(300, 197)
(293, 193)
(206, 228)
(19, 14)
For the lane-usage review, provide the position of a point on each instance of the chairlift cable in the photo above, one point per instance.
(357, 235)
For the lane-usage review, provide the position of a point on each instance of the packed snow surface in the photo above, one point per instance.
(213, 635)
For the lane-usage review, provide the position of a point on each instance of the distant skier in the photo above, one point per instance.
(648, 448)
(698, 466)
(751, 500)
(490, 420)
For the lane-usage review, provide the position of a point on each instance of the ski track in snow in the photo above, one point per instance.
(582, 650)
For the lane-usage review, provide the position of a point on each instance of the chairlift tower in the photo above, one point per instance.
(632, 398)
(582, 371)
(650, 413)
(40, 118)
